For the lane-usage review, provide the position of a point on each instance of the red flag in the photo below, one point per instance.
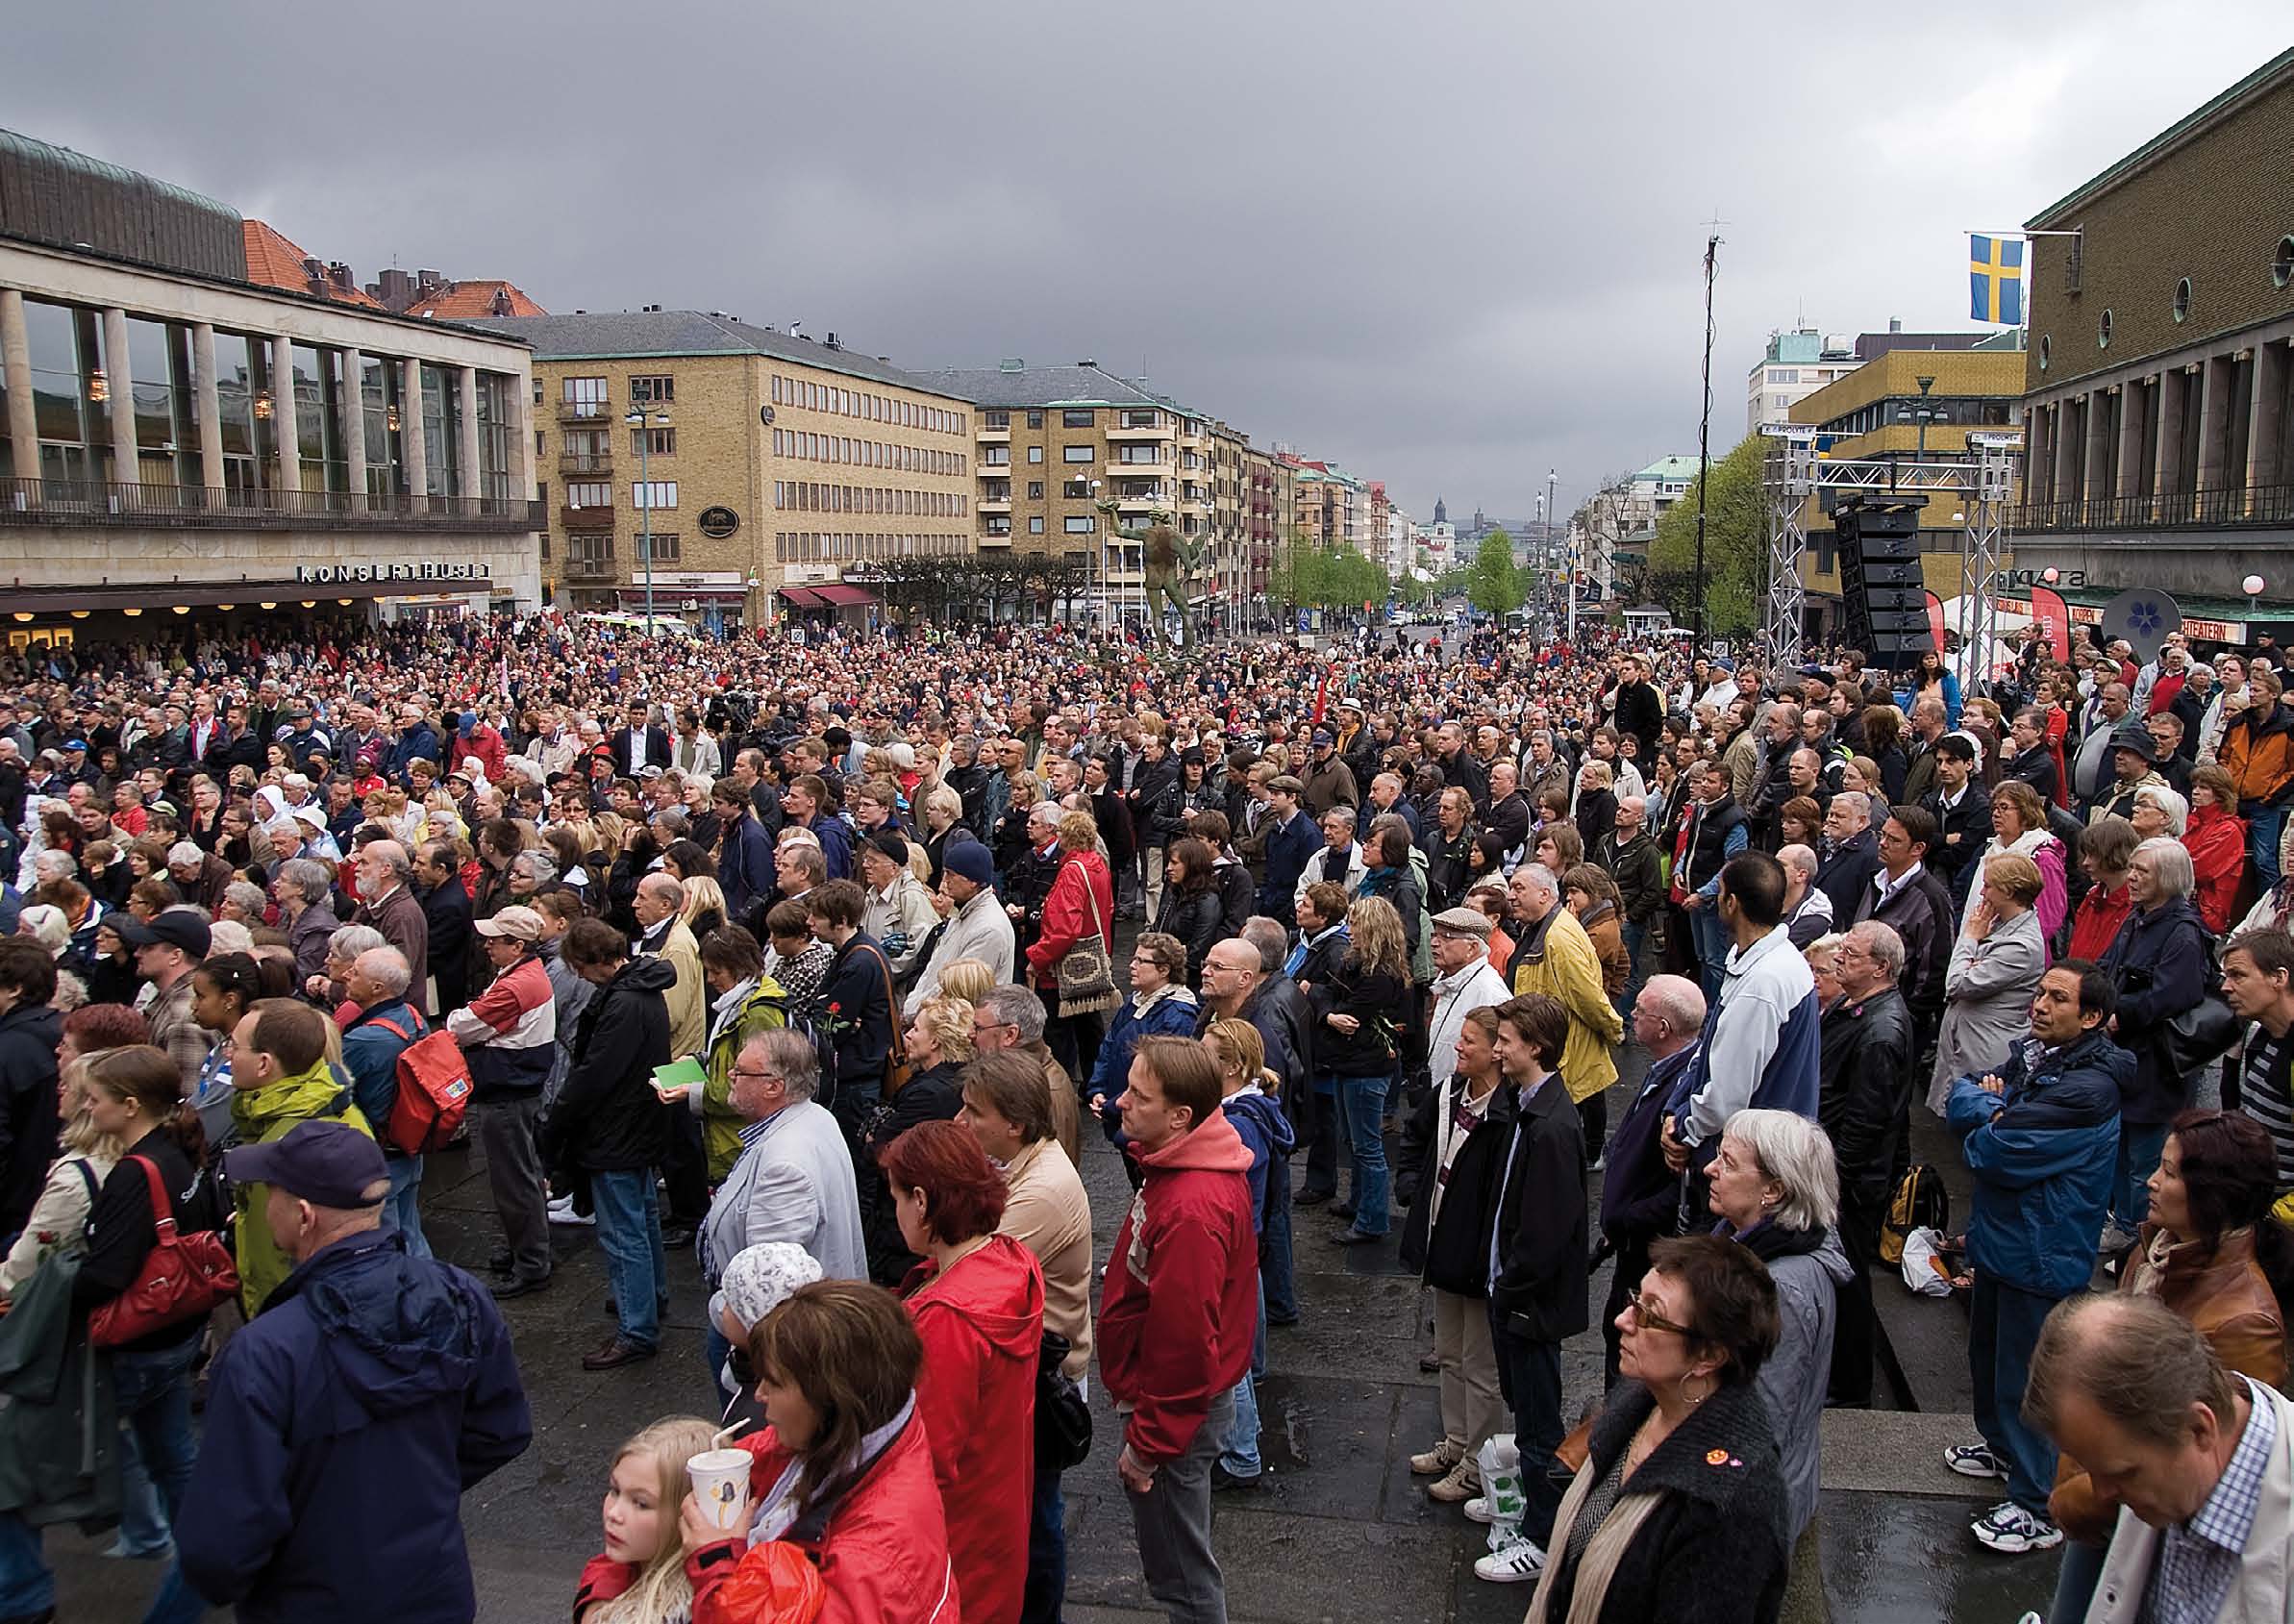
(1322, 693)
(2054, 620)
(1935, 620)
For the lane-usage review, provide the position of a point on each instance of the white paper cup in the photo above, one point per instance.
(721, 1485)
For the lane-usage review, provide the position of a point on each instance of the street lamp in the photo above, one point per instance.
(644, 421)
(2252, 586)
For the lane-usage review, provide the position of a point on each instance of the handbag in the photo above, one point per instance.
(1085, 972)
(1062, 1416)
(183, 1277)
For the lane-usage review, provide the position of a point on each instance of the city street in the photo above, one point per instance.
(1337, 1528)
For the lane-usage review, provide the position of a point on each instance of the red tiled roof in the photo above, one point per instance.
(467, 301)
(275, 260)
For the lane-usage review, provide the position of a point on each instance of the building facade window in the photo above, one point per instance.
(1076, 418)
(1079, 454)
(385, 425)
(1034, 453)
(654, 495)
(586, 397)
(1036, 525)
(1080, 524)
(2103, 331)
(2282, 264)
(657, 388)
(588, 493)
(441, 428)
(2183, 293)
(495, 430)
(166, 436)
(653, 442)
(666, 549)
(1034, 419)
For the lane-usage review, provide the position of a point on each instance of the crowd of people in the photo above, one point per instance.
(800, 956)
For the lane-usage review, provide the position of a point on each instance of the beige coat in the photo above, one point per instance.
(1046, 1211)
(688, 998)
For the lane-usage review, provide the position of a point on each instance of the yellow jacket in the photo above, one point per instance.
(257, 1116)
(1559, 961)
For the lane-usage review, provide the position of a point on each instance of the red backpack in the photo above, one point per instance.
(434, 1092)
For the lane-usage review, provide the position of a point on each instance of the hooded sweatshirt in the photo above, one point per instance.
(343, 1424)
(257, 1116)
(1265, 1133)
(982, 1326)
(1180, 1306)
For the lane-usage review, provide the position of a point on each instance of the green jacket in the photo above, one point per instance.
(257, 1116)
(766, 1009)
(58, 1428)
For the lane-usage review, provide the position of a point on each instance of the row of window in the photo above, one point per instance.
(805, 496)
(590, 397)
(654, 495)
(1076, 525)
(811, 546)
(810, 396)
(599, 442)
(865, 453)
(594, 549)
(1084, 417)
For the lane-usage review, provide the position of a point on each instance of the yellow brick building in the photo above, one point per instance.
(1881, 410)
(771, 471)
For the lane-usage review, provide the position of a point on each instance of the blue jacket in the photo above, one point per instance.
(1640, 1196)
(1288, 846)
(745, 866)
(2042, 1151)
(2158, 962)
(370, 1054)
(1265, 1133)
(1172, 1016)
(417, 741)
(836, 844)
(343, 1427)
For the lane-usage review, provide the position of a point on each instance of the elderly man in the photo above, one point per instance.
(202, 876)
(1340, 861)
(387, 902)
(412, 1368)
(1850, 854)
(1640, 1193)
(1552, 955)
(976, 926)
(510, 1035)
(2199, 1459)
(1011, 1017)
(1463, 982)
(1808, 910)
(1866, 1053)
(662, 935)
(387, 1024)
(793, 1181)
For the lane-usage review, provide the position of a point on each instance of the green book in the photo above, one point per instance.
(688, 1073)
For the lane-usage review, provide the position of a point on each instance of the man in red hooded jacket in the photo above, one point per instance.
(1178, 1313)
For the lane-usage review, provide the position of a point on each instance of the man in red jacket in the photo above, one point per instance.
(1178, 1313)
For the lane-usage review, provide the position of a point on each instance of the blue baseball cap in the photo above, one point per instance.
(325, 1163)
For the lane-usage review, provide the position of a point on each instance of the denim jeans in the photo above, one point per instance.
(629, 1228)
(1712, 941)
(2140, 1147)
(2263, 828)
(1635, 934)
(2002, 1332)
(1529, 1377)
(1321, 1139)
(402, 1208)
(1276, 1277)
(154, 1393)
(1362, 1101)
(27, 1586)
(1046, 1590)
(1238, 1449)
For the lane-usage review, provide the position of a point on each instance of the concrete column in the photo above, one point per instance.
(2066, 439)
(2213, 403)
(2134, 398)
(2250, 474)
(119, 377)
(2271, 361)
(354, 427)
(2174, 400)
(2098, 428)
(285, 419)
(207, 405)
(520, 411)
(472, 484)
(411, 449)
(15, 356)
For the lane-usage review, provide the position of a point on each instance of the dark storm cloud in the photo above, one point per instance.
(1448, 246)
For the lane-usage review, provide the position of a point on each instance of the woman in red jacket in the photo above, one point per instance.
(843, 1473)
(2216, 838)
(977, 1299)
(1080, 906)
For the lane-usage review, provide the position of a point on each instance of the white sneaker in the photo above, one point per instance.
(1974, 1460)
(565, 1214)
(2011, 1531)
(1477, 1510)
(1518, 1562)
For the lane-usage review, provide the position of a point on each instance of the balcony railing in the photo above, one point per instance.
(597, 516)
(85, 503)
(584, 410)
(585, 463)
(2186, 510)
(590, 569)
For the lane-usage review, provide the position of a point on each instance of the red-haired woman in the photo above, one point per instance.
(978, 1303)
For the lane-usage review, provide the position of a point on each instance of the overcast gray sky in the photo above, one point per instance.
(1448, 245)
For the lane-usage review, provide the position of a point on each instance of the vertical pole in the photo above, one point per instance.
(645, 514)
(1703, 434)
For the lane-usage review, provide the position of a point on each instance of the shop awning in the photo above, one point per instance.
(840, 596)
(801, 597)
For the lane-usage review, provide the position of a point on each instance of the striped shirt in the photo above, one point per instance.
(2263, 1095)
(2199, 1559)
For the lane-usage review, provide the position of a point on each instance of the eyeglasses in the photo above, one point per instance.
(750, 1071)
(1649, 1318)
(989, 1026)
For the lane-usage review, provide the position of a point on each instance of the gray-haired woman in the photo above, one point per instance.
(1777, 1190)
(2159, 964)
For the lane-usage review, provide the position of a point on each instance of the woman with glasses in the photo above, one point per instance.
(1680, 1509)
(1159, 1005)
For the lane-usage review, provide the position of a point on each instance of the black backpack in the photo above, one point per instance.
(1920, 1202)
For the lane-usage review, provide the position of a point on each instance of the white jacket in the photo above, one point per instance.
(979, 930)
(2265, 1588)
(1454, 997)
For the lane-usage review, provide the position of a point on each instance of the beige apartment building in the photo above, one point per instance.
(766, 473)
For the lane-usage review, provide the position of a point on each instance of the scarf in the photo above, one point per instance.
(776, 1513)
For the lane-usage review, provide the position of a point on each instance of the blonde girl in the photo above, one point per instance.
(640, 1577)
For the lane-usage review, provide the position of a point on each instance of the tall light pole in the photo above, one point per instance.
(1553, 516)
(644, 421)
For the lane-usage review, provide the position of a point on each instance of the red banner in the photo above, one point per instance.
(2054, 620)
(1935, 620)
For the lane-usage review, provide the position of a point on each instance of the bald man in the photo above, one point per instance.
(386, 901)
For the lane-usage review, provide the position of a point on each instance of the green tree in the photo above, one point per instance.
(1735, 546)
(1495, 586)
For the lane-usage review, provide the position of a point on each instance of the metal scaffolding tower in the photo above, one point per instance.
(1978, 492)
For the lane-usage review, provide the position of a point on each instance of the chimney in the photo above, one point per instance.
(1895, 324)
(339, 272)
(426, 280)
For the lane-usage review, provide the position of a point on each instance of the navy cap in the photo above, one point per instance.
(325, 1163)
(971, 860)
(177, 927)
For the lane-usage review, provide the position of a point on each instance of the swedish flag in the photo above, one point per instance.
(1995, 279)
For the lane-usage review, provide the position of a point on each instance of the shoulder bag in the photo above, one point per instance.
(1087, 971)
(184, 1277)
